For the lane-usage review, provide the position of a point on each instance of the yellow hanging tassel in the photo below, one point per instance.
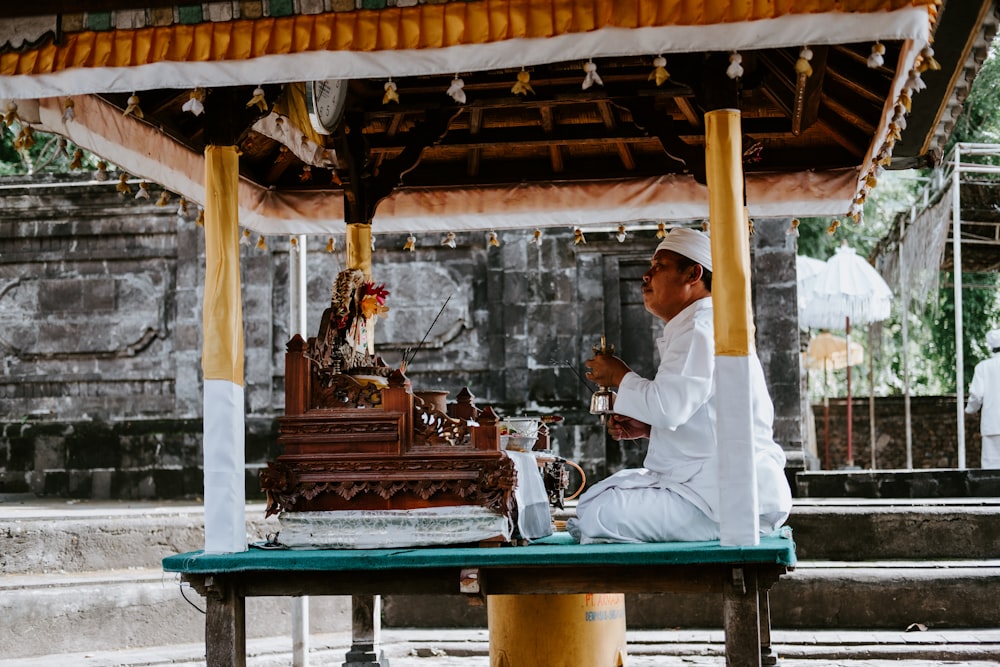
(258, 100)
(261, 243)
(182, 207)
(390, 92)
(578, 237)
(200, 220)
(802, 66)
(927, 60)
(871, 181)
(123, 186)
(906, 101)
(833, 227)
(307, 175)
(294, 242)
(164, 199)
(133, 107)
(523, 85)
(493, 241)
(25, 138)
(411, 243)
(536, 237)
(331, 245)
(10, 116)
(77, 161)
(661, 230)
(659, 73)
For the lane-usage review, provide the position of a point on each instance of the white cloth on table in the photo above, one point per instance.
(534, 520)
(681, 466)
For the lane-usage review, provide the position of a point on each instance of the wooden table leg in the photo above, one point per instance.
(768, 658)
(225, 625)
(741, 618)
(366, 630)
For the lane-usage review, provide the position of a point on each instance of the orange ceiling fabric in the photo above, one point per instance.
(422, 26)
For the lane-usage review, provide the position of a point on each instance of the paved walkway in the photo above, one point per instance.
(678, 648)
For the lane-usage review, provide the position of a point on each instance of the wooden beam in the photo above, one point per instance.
(548, 126)
(475, 125)
(608, 117)
(687, 109)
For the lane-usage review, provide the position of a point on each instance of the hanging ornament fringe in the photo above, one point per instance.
(143, 191)
(751, 227)
(578, 237)
(621, 234)
(735, 69)
(195, 103)
(390, 92)
(492, 241)
(906, 100)
(536, 238)
(590, 76)
(258, 100)
(523, 84)
(915, 82)
(661, 230)
(449, 240)
(261, 243)
(793, 228)
(705, 226)
(832, 229)
(802, 65)
(294, 242)
(455, 90)
(927, 61)
(25, 138)
(877, 57)
(123, 187)
(10, 115)
(245, 239)
(200, 220)
(373, 243)
(69, 113)
(182, 207)
(164, 199)
(307, 175)
(61, 144)
(411, 243)
(133, 108)
(77, 161)
(102, 171)
(659, 73)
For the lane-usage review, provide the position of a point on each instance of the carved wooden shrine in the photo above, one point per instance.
(352, 444)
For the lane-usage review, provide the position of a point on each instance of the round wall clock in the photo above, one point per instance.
(325, 103)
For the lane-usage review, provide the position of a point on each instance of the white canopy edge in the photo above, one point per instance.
(910, 23)
(140, 149)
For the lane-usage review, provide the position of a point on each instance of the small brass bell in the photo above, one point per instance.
(603, 401)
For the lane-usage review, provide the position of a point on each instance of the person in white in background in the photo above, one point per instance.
(676, 495)
(984, 394)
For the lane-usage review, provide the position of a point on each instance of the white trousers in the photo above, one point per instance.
(991, 451)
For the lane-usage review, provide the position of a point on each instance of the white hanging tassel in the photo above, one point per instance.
(802, 65)
(245, 239)
(143, 191)
(591, 76)
(455, 90)
(877, 57)
(578, 237)
(621, 234)
(793, 228)
(735, 69)
(68, 112)
(536, 237)
(915, 82)
(449, 240)
(411, 243)
(195, 101)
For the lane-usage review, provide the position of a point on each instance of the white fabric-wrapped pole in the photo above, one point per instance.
(222, 358)
(730, 232)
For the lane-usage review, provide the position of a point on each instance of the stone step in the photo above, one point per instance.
(119, 609)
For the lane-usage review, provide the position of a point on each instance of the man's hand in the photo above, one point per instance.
(606, 370)
(621, 427)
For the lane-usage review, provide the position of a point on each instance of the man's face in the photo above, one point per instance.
(667, 288)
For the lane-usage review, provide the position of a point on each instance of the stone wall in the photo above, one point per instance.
(101, 299)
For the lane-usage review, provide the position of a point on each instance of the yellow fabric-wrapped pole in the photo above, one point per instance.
(731, 300)
(359, 247)
(222, 357)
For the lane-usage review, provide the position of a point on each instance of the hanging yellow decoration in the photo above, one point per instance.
(258, 100)
(294, 242)
(871, 181)
(621, 234)
(133, 107)
(68, 112)
(492, 240)
(307, 175)
(802, 66)
(536, 237)
(390, 92)
(661, 230)
(927, 60)
(77, 161)
(102, 171)
(906, 101)
(164, 199)
(261, 243)
(182, 207)
(10, 116)
(877, 56)
(578, 237)
(659, 73)
(331, 245)
(25, 138)
(833, 227)
(123, 186)
(523, 84)
(200, 220)
(245, 239)
(411, 243)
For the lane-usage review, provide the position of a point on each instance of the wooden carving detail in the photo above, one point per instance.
(432, 427)
(337, 390)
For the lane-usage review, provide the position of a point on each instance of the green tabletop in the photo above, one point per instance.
(559, 549)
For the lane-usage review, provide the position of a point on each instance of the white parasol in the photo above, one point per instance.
(807, 270)
(848, 290)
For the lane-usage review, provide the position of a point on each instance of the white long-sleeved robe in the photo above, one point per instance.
(675, 496)
(984, 394)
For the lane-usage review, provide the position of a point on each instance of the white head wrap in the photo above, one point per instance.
(993, 339)
(690, 243)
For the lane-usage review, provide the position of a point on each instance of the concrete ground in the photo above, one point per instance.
(677, 648)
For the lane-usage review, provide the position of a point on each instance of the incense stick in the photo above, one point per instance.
(406, 363)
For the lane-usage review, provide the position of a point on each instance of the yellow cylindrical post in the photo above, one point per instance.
(359, 247)
(586, 630)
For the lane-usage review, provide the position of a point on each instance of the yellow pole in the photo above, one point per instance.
(731, 299)
(359, 247)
